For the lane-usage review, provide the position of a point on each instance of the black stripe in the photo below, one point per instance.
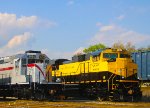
(95, 76)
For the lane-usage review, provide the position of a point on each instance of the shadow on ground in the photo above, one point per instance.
(145, 97)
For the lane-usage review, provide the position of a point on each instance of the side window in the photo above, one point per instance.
(1, 61)
(31, 56)
(47, 61)
(96, 58)
(16, 64)
(24, 66)
(17, 67)
(24, 62)
(124, 56)
(31, 61)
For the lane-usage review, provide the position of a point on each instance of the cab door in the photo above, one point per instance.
(17, 66)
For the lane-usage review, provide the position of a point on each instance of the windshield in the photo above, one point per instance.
(110, 55)
(34, 61)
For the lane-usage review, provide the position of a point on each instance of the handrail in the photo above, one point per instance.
(113, 80)
(109, 79)
(80, 68)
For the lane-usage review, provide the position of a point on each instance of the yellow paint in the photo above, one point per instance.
(122, 66)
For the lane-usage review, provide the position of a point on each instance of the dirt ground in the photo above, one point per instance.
(12, 103)
(146, 94)
(72, 104)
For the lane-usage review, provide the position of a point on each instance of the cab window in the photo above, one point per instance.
(110, 55)
(34, 61)
(47, 61)
(24, 62)
(96, 58)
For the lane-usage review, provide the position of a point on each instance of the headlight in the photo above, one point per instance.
(58, 80)
(104, 77)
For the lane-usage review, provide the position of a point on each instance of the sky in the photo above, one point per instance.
(62, 28)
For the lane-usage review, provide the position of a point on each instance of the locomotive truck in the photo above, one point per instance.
(24, 76)
(108, 74)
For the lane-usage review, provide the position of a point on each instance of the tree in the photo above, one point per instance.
(93, 48)
(141, 49)
(148, 48)
(129, 47)
(144, 49)
(118, 45)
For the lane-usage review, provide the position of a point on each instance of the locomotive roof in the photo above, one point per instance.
(24, 55)
(13, 56)
(96, 52)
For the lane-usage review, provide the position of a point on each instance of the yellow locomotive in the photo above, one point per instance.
(104, 74)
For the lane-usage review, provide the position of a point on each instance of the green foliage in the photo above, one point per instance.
(93, 48)
(118, 45)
